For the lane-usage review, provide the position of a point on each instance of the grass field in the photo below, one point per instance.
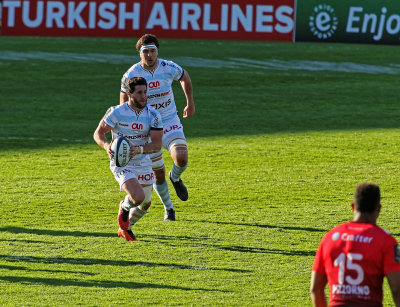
(281, 135)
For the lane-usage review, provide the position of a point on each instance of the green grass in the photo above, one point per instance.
(274, 158)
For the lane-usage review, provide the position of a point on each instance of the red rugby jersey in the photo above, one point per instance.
(355, 257)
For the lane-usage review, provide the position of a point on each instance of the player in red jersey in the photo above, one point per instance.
(354, 257)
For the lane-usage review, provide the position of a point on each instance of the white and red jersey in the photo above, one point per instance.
(159, 85)
(133, 125)
(355, 257)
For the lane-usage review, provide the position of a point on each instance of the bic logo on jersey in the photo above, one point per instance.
(137, 126)
(154, 84)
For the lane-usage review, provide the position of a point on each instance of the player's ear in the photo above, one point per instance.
(352, 206)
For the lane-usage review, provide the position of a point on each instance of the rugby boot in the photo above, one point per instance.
(169, 214)
(126, 234)
(123, 217)
(180, 188)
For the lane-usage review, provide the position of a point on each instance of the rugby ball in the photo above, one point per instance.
(121, 149)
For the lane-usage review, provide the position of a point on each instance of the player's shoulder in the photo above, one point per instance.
(382, 231)
(133, 70)
(334, 233)
(118, 109)
(110, 110)
(168, 64)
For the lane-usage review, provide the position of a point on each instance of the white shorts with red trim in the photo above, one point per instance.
(172, 135)
(142, 172)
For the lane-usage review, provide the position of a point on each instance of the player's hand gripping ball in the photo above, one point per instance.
(121, 149)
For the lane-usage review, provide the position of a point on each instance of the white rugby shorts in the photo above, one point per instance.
(142, 172)
(172, 130)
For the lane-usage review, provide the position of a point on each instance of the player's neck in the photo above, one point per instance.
(134, 108)
(150, 68)
(364, 218)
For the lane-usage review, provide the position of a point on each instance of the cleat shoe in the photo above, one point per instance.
(180, 188)
(169, 214)
(127, 234)
(123, 218)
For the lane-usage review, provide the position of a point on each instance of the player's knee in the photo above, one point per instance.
(146, 203)
(145, 207)
(180, 155)
(137, 198)
(182, 161)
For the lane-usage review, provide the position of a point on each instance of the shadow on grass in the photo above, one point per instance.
(20, 268)
(103, 284)
(58, 233)
(258, 250)
(243, 249)
(159, 238)
(88, 261)
(24, 241)
(311, 229)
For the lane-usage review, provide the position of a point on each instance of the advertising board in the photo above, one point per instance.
(217, 19)
(352, 21)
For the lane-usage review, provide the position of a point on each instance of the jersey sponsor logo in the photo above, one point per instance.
(163, 63)
(156, 119)
(348, 237)
(350, 290)
(146, 177)
(173, 127)
(133, 137)
(123, 124)
(137, 126)
(158, 95)
(162, 105)
(356, 238)
(154, 84)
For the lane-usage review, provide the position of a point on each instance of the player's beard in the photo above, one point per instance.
(137, 104)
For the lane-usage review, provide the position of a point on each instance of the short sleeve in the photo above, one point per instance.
(319, 265)
(176, 70)
(123, 82)
(391, 256)
(109, 118)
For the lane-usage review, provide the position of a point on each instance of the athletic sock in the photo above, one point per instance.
(163, 193)
(135, 215)
(127, 204)
(177, 172)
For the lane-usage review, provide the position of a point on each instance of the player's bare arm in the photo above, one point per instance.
(394, 283)
(123, 97)
(156, 140)
(99, 137)
(187, 87)
(153, 146)
(317, 289)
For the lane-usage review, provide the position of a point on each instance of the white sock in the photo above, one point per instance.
(163, 193)
(127, 204)
(135, 215)
(177, 171)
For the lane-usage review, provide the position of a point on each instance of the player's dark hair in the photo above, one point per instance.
(367, 197)
(147, 39)
(131, 84)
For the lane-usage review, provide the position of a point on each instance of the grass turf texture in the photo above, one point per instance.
(274, 158)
